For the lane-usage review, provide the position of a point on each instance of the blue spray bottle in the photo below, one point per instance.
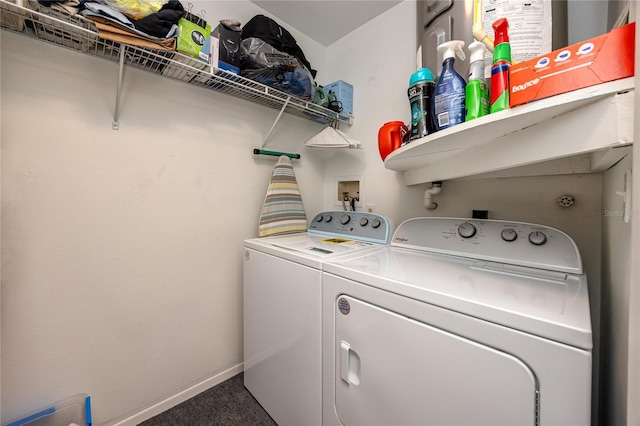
(449, 95)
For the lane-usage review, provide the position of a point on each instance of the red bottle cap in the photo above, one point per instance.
(500, 31)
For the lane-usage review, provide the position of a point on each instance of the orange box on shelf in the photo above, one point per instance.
(604, 58)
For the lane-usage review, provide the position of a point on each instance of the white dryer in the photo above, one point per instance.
(282, 309)
(458, 322)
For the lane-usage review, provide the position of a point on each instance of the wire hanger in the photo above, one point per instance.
(332, 137)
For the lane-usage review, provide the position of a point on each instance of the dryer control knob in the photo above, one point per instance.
(318, 218)
(509, 234)
(344, 219)
(375, 223)
(537, 238)
(466, 230)
(364, 221)
(327, 218)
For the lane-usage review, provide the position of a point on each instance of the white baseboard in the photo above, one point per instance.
(180, 397)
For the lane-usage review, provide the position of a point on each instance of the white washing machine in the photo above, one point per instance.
(282, 310)
(458, 322)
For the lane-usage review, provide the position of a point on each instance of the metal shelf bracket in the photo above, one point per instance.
(115, 125)
(284, 106)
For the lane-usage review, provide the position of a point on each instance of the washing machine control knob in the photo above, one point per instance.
(364, 221)
(466, 230)
(344, 219)
(327, 218)
(318, 218)
(375, 223)
(537, 238)
(509, 234)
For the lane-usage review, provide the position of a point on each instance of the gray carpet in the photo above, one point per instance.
(227, 404)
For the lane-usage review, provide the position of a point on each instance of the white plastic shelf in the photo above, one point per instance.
(576, 132)
(79, 34)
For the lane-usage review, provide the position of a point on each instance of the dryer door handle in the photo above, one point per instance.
(349, 364)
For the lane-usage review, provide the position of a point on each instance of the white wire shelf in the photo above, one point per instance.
(77, 33)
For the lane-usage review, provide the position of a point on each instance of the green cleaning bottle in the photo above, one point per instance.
(477, 92)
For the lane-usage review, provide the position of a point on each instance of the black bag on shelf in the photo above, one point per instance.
(265, 64)
(270, 31)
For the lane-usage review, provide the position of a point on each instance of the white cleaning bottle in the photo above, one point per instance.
(449, 95)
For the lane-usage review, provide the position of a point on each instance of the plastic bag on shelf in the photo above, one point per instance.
(293, 81)
(265, 64)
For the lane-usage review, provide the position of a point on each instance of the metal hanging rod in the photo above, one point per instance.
(275, 153)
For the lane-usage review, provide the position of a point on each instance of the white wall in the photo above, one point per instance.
(122, 249)
(377, 58)
(616, 268)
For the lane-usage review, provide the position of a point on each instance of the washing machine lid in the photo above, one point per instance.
(330, 234)
(553, 305)
(308, 248)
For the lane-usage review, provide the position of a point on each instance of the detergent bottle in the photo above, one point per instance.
(449, 103)
(477, 92)
(420, 93)
(500, 67)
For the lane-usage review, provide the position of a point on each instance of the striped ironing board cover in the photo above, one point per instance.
(282, 211)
